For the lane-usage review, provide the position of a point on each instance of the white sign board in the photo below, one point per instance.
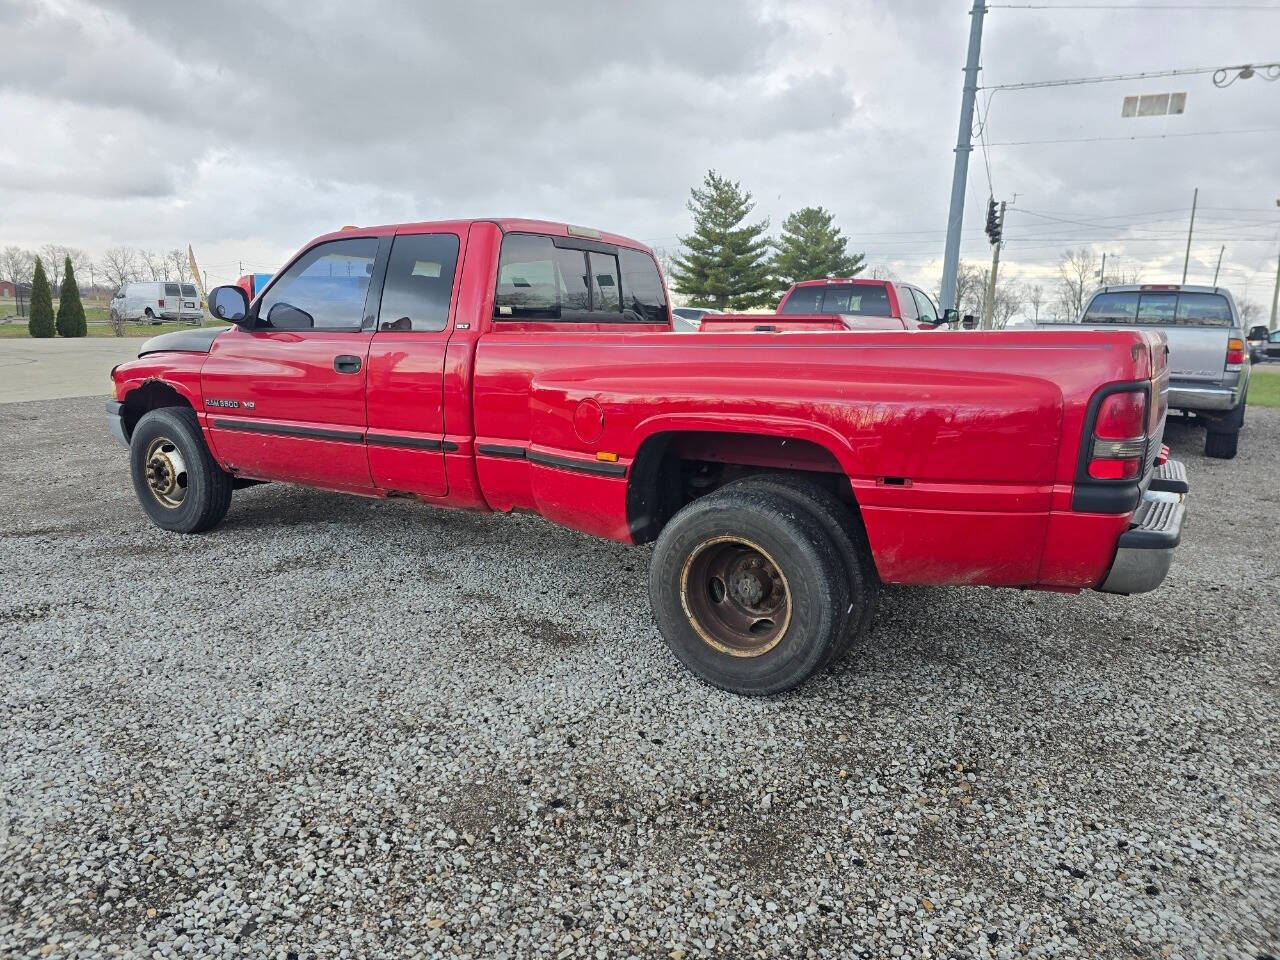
(1154, 105)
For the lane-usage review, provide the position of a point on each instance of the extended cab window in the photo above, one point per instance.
(324, 290)
(538, 280)
(643, 296)
(906, 305)
(419, 282)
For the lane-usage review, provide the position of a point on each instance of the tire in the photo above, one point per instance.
(176, 479)
(151, 317)
(1221, 446)
(748, 591)
(845, 528)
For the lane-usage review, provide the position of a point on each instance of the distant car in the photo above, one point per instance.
(687, 319)
(155, 301)
(1264, 344)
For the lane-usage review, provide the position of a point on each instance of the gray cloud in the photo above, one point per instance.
(245, 128)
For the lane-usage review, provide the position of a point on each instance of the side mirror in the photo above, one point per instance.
(230, 303)
(951, 315)
(1259, 332)
(969, 322)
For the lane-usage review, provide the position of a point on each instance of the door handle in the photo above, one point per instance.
(346, 363)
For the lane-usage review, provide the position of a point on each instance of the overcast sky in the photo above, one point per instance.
(246, 128)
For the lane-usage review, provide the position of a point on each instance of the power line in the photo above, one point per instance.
(1133, 6)
(1108, 78)
(1149, 136)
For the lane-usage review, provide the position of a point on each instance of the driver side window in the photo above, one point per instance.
(324, 290)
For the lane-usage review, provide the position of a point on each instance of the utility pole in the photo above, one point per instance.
(964, 146)
(1221, 250)
(1102, 274)
(1187, 259)
(989, 307)
(1275, 294)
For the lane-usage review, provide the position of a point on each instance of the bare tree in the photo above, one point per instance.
(119, 265)
(178, 267)
(1250, 313)
(1035, 300)
(153, 265)
(971, 289)
(1008, 301)
(16, 266)
(53, 255)
(1077, 276)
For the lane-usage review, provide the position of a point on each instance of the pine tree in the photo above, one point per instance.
(71, 321)
(40, 323)
(812, 247)
(725, 261)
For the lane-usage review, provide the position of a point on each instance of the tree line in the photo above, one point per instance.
(116, 267)
(728, 261)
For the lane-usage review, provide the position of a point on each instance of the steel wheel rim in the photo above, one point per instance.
(166, 473)
(735, 596)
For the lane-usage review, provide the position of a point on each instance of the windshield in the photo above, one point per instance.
(864, 300)
(1162, 308)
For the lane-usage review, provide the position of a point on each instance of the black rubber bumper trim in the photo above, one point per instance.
(316, 433)
(601, 468)
(415, 443)
(499, 450)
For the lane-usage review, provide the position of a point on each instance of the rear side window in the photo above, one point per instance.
(1112, 308)
(419, 282)
(539, 281)
(866, 300)
(171, 290)
(804, 300)
(1203, 309)
(188, 290)
(643, 296)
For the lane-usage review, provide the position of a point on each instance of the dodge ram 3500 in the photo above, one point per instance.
(782, 476)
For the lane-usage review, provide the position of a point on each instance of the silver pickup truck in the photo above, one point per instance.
(1208, 361)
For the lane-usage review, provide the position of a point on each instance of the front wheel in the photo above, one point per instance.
(748, 591)
(177, 481)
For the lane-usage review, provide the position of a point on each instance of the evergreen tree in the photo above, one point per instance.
(812, 247)
(41, 322)
(725, 261)
(71, 321)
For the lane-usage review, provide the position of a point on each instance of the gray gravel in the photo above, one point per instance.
(338, 727)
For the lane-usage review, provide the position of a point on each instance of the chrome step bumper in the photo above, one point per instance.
(1145, 551)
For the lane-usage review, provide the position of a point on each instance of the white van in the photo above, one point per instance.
(156, 301)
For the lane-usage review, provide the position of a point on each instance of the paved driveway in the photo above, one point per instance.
(49, 369)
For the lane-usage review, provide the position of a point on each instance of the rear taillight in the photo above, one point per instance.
(159, 303)
(1235, 353)
(1119, 439)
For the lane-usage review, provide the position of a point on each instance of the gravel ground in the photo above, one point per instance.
(337, 727)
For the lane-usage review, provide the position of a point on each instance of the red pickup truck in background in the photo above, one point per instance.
(523, 365)
(838, 303)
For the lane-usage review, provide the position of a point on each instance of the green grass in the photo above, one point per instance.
(1264, 386)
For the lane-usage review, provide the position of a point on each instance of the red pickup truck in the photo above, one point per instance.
(522, 365)
(840, 303)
